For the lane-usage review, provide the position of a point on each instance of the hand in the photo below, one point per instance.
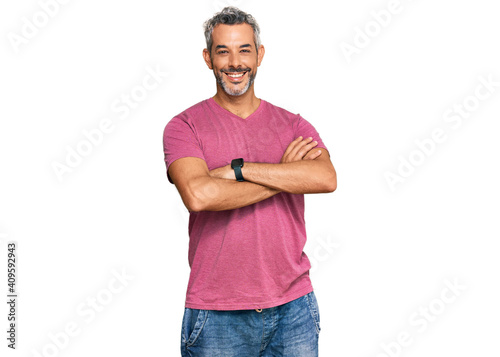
(300, 149)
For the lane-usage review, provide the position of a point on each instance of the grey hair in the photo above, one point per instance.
(231, 15)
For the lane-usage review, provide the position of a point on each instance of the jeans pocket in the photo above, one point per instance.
(193, 323)
(314, 309)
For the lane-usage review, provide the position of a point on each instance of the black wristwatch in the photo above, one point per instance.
(236, 165)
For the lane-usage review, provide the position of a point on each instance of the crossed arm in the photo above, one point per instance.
(302, 169)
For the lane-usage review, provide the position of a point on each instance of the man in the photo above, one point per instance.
(242, 167)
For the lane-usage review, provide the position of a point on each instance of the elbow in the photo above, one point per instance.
(327, 178)
(325, 182)
(331, 182)
(331, 187)
(194, 203)
(201, 196)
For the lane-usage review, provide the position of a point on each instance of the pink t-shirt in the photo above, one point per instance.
(251, 257)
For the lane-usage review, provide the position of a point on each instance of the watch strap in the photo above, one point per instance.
(238, 174)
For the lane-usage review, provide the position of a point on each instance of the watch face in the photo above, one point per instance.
(236, 163)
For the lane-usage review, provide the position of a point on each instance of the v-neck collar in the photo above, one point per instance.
(227, 112)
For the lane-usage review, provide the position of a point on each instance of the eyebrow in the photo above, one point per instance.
(224, 46)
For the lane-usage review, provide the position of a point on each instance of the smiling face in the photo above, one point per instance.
(234, 58)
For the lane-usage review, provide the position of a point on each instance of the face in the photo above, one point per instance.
(234, 58)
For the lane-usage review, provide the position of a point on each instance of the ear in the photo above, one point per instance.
(206, 57)
(260, 55)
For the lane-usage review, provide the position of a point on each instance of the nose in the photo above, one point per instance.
(234, 60)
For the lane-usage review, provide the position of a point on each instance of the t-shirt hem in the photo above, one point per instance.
(252, 306)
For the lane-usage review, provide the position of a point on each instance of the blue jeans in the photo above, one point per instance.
(289, 330)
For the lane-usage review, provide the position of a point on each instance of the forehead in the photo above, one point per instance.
(232, 35)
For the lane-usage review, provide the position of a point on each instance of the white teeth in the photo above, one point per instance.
(236, 75)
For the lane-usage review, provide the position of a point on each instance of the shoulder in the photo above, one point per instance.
(190, 115)
(194, 110)
(281, 112)
(296, 121)
(276, 108)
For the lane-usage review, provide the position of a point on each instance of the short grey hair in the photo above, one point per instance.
(231, 15)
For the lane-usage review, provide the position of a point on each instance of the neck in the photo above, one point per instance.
(242, 106)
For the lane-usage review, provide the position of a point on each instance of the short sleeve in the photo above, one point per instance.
(305, 129)
(180, 140)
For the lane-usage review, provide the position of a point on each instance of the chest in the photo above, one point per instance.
(261, 139)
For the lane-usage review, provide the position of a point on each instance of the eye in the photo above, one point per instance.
(221, 52)
(247, 51)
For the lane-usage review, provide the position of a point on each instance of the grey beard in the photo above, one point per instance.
(235, 92)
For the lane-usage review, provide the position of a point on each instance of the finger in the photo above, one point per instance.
(313, 154)
(306, 149)
(298, 147)
(291, 146)
(289, 154)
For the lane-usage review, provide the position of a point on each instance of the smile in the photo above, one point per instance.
(235, 76)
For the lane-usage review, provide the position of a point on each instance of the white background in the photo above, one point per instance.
(392, 250)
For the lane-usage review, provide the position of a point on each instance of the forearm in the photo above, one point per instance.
(301, 170)
(218, 194)
(305, 176)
